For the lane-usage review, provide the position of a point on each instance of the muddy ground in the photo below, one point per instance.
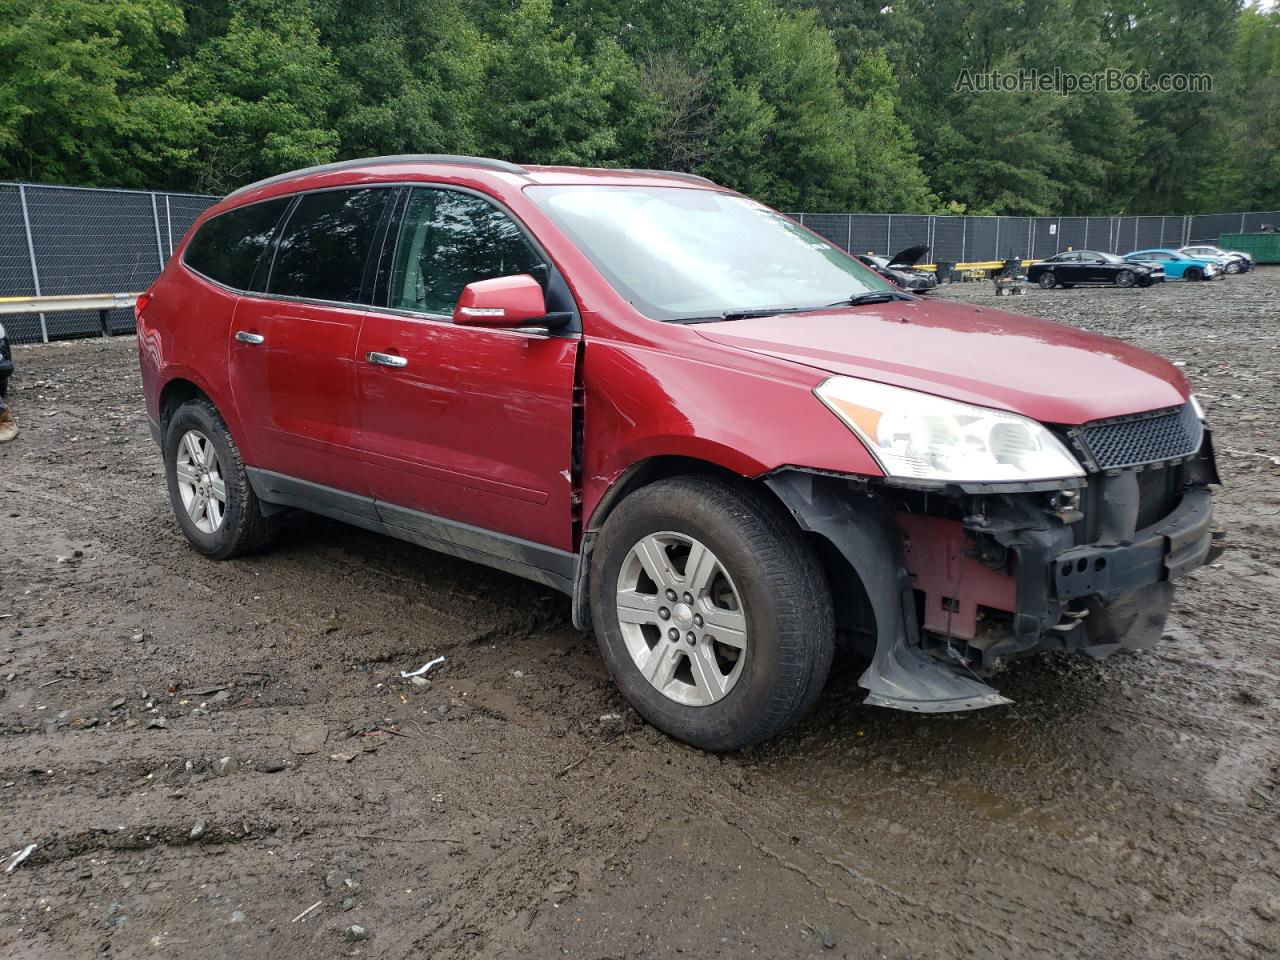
(516, 808)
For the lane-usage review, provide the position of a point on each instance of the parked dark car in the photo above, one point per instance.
(1079, 267)
(721, 437)
(900, 269)
(6, 361)
(1233, 261)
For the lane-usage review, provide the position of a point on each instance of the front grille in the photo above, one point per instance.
(1143, 438)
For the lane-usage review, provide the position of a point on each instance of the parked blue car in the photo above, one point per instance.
(1177, 266)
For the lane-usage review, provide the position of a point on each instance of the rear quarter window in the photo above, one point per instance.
(229, 247)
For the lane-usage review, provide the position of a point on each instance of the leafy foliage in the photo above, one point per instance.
(807, 104)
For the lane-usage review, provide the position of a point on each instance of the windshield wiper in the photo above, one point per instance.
(874, 296)
(745, 313)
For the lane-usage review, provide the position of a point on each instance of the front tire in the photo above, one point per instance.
(1193, 273)
(1047, 280)
(208, 486)
(1233, 266)
(711, 611)
(1125, 278)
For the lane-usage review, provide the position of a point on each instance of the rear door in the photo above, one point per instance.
(467, 425)
(293, 344)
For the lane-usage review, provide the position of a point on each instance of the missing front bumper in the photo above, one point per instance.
(931, 647)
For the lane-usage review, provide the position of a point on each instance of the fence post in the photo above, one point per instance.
(155, 218)
(31, 252)
(848, 235)
(1242, 223)
(888, 237)
(168, 223)
(1031, 247)
(997, 256)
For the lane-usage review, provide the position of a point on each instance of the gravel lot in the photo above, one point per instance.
(515, 808)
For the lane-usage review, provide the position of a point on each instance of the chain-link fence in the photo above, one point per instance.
(979, 239)
(69, 240)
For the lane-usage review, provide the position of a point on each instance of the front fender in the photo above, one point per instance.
(749, 417)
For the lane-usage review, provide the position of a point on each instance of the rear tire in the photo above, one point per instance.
(209, 488)
(1047, 280)
(767, 582)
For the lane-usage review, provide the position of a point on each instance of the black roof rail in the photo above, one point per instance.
(485, 163)
(679, 175)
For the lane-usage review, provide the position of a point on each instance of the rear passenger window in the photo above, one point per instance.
(450, 239)
(324, 246)
(228, 247)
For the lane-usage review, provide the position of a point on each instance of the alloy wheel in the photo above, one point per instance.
(682, 619)
(200, 482)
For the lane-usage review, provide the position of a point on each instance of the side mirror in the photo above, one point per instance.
(500, 302)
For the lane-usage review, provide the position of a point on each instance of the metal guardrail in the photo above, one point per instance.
(103, 303)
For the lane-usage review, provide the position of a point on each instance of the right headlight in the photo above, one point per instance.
(922, 437)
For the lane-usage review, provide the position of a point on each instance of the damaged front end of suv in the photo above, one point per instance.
(1068, 540)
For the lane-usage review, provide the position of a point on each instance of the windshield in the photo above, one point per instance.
(681, 254)
(1109, 258)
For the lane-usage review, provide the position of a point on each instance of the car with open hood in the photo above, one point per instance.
(729, 444)
(901, 269)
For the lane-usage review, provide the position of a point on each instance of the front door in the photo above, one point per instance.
(294, 345)
(464, 424)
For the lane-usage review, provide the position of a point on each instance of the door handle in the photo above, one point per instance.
(386, 359)
(244, 336)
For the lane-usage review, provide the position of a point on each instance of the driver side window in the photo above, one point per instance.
(450, 239)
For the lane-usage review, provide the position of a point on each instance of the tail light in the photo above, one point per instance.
(140, 304)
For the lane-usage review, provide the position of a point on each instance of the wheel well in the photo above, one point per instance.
(650, 471)
(175, 393)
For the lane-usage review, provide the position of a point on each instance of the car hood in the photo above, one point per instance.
(1043, 370)
(908, 257)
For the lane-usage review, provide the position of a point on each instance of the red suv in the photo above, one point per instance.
(729, 442)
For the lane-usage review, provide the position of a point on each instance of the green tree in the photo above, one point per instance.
(1181, 134)
(266, 94)
(82, 92)
(412, 74)
(1246, 174)
(544, 101)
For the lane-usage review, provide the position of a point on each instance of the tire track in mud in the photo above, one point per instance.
(1129, 810)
